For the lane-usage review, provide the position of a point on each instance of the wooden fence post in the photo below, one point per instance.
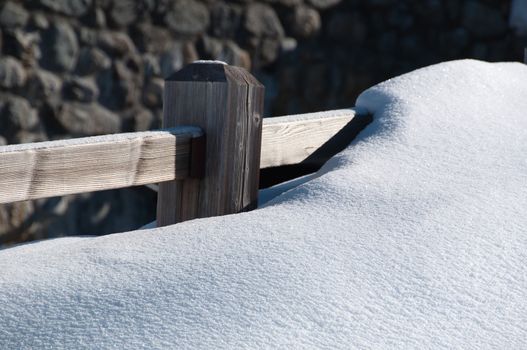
(227, 103)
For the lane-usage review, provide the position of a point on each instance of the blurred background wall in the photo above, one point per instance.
(71, 68)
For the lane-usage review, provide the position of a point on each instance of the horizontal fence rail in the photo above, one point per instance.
(56, 168)
(292, 139)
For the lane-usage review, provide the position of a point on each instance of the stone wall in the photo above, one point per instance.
(71, 68)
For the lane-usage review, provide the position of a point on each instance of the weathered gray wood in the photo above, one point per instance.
(227, 103)
(56, 168)
(304, 142)
(98, 163)
(291, 139)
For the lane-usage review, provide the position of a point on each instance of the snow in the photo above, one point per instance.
(270, 193)
(518, 16)
(413, 237)
(337, 113)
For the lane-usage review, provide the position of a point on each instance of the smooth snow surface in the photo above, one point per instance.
(412, 238)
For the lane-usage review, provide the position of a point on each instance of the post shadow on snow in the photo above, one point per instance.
(275, 175)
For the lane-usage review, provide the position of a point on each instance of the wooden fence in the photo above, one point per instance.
(207, 159)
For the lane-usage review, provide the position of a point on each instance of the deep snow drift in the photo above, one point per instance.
(413, 237)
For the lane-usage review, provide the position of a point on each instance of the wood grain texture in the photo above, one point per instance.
(292, 139)
(227, 103)
(56, 168)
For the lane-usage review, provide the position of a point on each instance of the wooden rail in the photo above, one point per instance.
(227, 103)
(292, 139)
(207, 169)
(56, 168)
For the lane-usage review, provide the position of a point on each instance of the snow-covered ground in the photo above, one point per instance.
(413, 237)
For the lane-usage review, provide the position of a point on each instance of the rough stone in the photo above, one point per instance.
(150, 38)
(67, 7)
(323, 4)
(80, 89)
(59, 215)
(209, 48)
(479, 51)
(289, 3)
(158, 117)
(24, 136)
(16, 114)
(150, 66)
(265, 33)
(382, 3)
(122, 12)
(347, 28)
(288, 45)
(453, 9)
(401, 18)
(39, 21)
(261, 20)
(316, 84)
(498, 50)
(13, 15)
(305, 22)
(190, 54)
(23, 45)
(171, 60)
(42, 86)
(234, 55)
(482, 20)
(13, 218)
(225, 19)
(87, 36)
(92, 60)
(80, 119)
(387, 42)
(187, 17)
(518, 17)
(114, 211)
(153, 93)
(143, 120)
(59, 48)
(454, 42)
(269, 49)
(411, 46)
(118, 87)
(99, 18)
(95, 18)
(115, 43)
(12, 73)
(146, 7)
(134, 63)
(432, 11)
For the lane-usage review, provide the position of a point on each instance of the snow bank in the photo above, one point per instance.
(413, 237)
